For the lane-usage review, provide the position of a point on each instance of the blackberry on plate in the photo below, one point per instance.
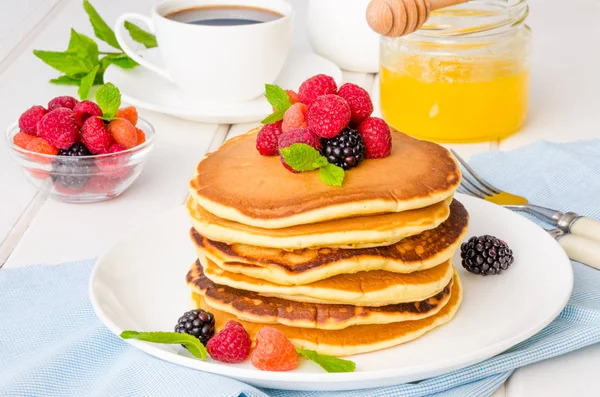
(486, 255)
(345, 150)
(75, 150)
(198, 323)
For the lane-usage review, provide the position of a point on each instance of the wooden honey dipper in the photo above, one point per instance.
(395, 18)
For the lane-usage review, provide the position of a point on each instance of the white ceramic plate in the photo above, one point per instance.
(140, 284)
(143, 88)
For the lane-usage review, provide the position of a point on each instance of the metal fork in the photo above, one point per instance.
(474, 185)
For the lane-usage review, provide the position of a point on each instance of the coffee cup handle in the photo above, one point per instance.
(129, 51)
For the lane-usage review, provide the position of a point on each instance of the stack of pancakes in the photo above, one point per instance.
(340, 270)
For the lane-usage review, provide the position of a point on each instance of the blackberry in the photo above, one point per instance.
(75, 150)
(345, 150)
(198, 323)
(486, 255)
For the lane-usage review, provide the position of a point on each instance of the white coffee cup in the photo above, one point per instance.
(223, 63)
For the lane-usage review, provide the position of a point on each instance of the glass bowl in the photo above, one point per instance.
(84, 179)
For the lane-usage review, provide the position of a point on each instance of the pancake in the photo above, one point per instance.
(238, 184)
(420, 252)
(351, 340)
(250, 306)
(373, 288)
(355, 232)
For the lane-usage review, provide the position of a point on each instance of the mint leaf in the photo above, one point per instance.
(108, 99)
(274, 117)
(121, 60)
(87, 82)
(65, 80)
(140, 35)
(70, 63)
(277, 97)
(301, 157)
(101, 29)
(84, 46)
(328, 363)
(320, 162)
(332, 175)
(192, 343)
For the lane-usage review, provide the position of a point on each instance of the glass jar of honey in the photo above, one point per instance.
(463, 77)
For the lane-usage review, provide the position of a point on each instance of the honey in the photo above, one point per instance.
(463, 78)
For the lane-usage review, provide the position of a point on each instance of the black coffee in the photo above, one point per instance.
(223, 15)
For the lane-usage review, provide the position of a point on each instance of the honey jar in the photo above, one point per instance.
(463, 77)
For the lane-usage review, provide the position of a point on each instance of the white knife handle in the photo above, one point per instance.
(581, 249)
(586, 227)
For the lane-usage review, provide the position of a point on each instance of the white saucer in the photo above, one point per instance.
(140, 284)
(144, 89)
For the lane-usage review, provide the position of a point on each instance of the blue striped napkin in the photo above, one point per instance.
(52, 344)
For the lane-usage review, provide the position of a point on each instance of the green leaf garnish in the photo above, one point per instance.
(70, 63)
(121, 60)
(279, 99)
(140, 35)
(302, 157)
(87, 82)
(101, 28)
(84, 46)
(328, 363)
(108, 98)
(65, 80)
(193, 344)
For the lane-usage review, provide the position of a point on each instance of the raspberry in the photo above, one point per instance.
(21, 139)
(293, 96)
(40, 145)
(267, 138)
(62, 102)
(58, 128)
(84, 110)
(273, 351)
(359, 101)
(95, 136)
(30, 118)
(123, 132)
(376, 136)
(113, 166)
(288, 138)
(328, 116)
(115, 148)
(286, 165)
(295, 117)
(316, 86)
(231, 345)
(100, 184)
(141, 136)
(128, 113)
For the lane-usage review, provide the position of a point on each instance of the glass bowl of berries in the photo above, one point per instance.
(80, 152)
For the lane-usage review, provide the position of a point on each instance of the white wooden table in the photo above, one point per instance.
(565, 106)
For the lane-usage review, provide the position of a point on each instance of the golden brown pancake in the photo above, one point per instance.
(356, 232)
(237, 183)
(373, 288)
(420, 252)
(253, 307)
(351, 340)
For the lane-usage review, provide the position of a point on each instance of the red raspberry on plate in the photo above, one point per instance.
(84, 110)
(21, 139)
(328, 116)
(95, 136)
(286, 165)
(359, 101)
(62, 102)
(128, 113)
(315, 87)
(58, 128)
(273, 351)
(288, 138)
(30, 118)
(123, 132)
(115, 148)
(231, 345)
(376, 136)
(295, 117)
(267, 138)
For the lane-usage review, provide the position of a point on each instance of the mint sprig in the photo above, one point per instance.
(108, 98)
(328, 363)
(302, 157)
(193, 344)
(83, 63)
(279, 99)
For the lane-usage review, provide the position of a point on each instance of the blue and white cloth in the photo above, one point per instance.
(52, 344)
